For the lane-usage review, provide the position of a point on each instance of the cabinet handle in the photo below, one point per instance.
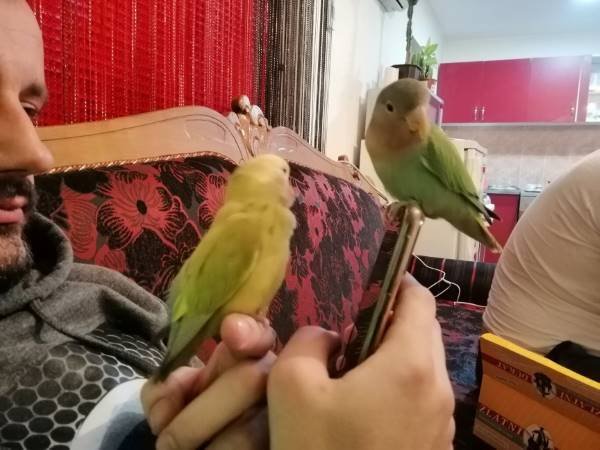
(475, 112)
(482, 113)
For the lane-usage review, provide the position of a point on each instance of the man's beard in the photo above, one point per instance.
(15, 255)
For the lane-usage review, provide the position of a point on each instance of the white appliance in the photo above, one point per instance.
(438, 238)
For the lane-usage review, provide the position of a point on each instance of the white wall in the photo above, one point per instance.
(425, 26)
(514, 47)
(355, 67)
(365, 40)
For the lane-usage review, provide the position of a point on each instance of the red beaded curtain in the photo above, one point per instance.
(111, 58)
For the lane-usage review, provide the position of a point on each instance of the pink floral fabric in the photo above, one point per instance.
(144, 220)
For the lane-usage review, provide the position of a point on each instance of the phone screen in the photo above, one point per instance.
(378, 299)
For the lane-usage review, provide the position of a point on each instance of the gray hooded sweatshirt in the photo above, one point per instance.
(69, 333)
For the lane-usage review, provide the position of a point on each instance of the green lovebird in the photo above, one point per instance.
(240, 262)
(417, 163)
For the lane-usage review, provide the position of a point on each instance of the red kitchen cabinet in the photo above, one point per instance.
(460, 86)
(515, 90)
(507, 207)
(505, 90)
(554, 89)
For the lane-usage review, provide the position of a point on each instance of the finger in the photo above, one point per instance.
(161, 401)
(246, 337)
(407, 347)
(242, 337)
(220, 361)
(249, 432)
(349, 334)
(439, 354)
(446, 436)
(222, 402)
(414, 313)
(313, 346)
(304, 361)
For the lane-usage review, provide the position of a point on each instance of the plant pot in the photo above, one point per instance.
(409, 71)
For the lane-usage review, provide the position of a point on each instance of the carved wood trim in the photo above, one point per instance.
(176, 131)
(121, 162)
(188, 131)
(260, 138)
(251, 123)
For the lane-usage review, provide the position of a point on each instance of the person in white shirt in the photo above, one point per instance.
(545, 295)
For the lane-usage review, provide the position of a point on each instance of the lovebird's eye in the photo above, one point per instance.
(389, 107)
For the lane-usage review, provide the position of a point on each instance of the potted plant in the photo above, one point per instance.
(426, 60)
(408, 69)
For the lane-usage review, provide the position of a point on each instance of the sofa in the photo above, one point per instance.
(136, 194)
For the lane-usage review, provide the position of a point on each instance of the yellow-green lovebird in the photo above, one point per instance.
(240, 262)
(417, 163)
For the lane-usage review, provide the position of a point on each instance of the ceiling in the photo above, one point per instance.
(497, 18)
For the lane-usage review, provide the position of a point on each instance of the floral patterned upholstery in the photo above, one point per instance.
(144, 220)
(462, 326)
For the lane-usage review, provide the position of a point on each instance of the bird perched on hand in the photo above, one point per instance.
(417, 163)
(239, 264)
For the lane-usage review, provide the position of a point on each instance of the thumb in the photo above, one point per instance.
(307, 352)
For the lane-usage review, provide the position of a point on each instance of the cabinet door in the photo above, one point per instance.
(554, 89)
(459, 85)
(505, 91)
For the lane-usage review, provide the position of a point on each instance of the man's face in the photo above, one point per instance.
(22, 95)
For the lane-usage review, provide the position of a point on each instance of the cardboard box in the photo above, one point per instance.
(529, 402)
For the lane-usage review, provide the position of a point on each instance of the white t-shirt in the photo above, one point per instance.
(546, 287)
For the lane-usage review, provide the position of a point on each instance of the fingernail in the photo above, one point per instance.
(166, 442)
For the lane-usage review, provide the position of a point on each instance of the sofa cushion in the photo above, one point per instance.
(473, 277)
(462, 325)
(145, 219)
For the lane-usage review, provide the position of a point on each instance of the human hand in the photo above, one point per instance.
(218, 402)
(399, 398)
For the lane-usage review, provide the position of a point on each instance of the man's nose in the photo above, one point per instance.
(20, 147)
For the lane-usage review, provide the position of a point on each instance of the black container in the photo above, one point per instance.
(409, 71)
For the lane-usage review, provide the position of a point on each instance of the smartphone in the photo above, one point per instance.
(379, 297)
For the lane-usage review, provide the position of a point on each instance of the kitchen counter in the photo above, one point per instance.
(503, 190)
(527, 198)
